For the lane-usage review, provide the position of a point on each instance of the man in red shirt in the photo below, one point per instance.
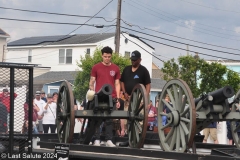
(5, 99)
(102, 73)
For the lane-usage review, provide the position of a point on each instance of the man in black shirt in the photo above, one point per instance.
(132, 75)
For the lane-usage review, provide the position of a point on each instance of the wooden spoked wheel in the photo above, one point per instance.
(137, 123)
(179, 131)
(235, 124)
(65, 119)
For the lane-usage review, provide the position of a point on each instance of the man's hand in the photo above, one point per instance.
(126, 96)
(122, 134)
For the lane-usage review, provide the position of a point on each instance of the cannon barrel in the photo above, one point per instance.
(104, 92)
(218, 96)
(222, 94)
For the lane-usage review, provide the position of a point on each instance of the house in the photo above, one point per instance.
(61, 53)
(230, 64)
(3, 44)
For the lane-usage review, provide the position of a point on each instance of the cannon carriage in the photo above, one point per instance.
(189, 116)
(102, 107)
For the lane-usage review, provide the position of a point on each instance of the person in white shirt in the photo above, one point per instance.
(49, 111)
(40, 103)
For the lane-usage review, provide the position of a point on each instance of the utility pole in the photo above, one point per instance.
(117, 33)
(3, 53)
(187, 50)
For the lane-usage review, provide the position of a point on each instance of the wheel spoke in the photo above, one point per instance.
(184, 127)
(183, 103)
(139, 109)
(139, 95)
(237, 128)
(180, 100)
(175, 91)
(169, 134)
(135, 100)
(185, 111)
(163, 127)
(136, 133)
(185, 119)
(173, 141)
(163, 114)
(178, 138)
(171, 98)
(139, 126)
(168, 105)
(183, 140)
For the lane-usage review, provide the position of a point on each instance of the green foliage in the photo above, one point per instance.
(81, 83)
(202, 77)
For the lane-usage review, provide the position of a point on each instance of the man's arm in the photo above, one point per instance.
(91, 83)
(148, 86)
(117, 87)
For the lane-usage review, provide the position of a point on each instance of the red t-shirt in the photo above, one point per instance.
(105, 75)
(5, 99)
(152, 110)
(26, 112)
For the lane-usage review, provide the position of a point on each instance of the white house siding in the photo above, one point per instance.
(2, 44)
(48, 56)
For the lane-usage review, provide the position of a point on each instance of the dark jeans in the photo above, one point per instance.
(108, 130)
(52, 128)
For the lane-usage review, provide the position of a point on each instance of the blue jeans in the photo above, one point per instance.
(35, 131)
(164, 120)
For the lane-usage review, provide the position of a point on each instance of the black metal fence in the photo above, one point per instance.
(16, 108)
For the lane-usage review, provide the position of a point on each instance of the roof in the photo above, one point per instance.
(54, 76)
(157, 83)
(62, 39)
(157, 73)
(3, 33)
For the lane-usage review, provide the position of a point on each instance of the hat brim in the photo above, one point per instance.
(37, 94)
(134, 58)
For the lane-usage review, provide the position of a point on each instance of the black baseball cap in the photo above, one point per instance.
(135, 55)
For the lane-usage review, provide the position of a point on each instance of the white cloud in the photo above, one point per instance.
(190, 24)
(237, 30)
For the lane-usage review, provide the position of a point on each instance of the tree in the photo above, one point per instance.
(202, 77)
(81, 83)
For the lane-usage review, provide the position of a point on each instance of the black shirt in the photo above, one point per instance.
(130, 78)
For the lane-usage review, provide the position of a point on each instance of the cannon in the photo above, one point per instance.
(189, 116)
(99, 109)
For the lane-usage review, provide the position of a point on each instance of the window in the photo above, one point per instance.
(69, 56)
(88, 51)
(127, 54)
(65, 56)
(30, 55)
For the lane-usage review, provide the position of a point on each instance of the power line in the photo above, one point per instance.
(181, 42)
(62, 23)
(150, 8)
(209, 7)
(195, 29)
(143, 48)
(143, 28)
(54, 13)
(180, 48)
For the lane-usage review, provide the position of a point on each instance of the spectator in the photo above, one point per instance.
(49, 112)
(25, 127)
(55, 97)
(35, 114)
(166, 110)
(157, 102)
(5, 99)
(43, 96)
(152, 113)
(40, 103)
(212, 130)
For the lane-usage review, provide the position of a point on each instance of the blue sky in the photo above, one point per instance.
(213, 22)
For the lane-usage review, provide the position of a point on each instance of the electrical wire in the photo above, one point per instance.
(145, 28)
(185, 26)
(182, 42)
(62, 23)
(157, 11)
(142, 48)
(209, 7)
(54, 13)
(181, 48)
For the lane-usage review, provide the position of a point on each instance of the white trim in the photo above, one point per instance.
(57, 81)
(156, 90)
(52, 87)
